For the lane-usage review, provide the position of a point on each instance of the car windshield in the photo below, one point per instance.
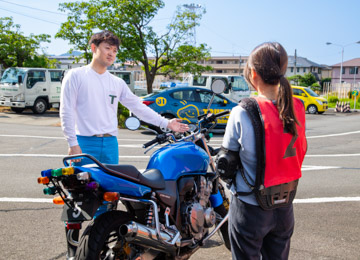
(11, 75)
(155, 93)
(311, 92)
(238, 83)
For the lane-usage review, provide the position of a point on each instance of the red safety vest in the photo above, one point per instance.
(284, 153)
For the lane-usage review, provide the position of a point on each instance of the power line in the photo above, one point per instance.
(32, 8)
(29, 16)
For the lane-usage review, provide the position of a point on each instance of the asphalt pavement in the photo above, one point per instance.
(327, 205)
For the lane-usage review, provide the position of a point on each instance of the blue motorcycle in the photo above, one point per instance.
(166, 212)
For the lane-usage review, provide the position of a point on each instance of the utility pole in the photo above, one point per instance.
(295, 63)
(192, 7)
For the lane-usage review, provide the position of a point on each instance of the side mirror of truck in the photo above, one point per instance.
(20, 79)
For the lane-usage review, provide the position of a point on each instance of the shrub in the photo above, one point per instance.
(123, 114)
(316, 87)
(333, 99)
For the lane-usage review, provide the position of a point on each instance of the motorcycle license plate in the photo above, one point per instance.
(84, 210)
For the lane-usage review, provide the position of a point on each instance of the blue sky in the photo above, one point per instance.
(234, 27)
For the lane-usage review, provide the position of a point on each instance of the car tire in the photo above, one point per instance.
(40, 106)
(312, 109)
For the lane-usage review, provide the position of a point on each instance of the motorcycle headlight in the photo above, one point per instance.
(320, 102)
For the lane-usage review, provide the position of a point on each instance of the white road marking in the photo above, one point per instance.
(330, 135)
(62, 138)
(315, 168)
(63, 155)
(333, 155)
(297, 201)
(323, 200)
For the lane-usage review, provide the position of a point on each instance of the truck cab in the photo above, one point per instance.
(236, 87)
(35, 88)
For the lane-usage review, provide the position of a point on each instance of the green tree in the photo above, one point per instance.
(40, 61)
(295, 79)
(307, 80)
(15, 48)
(130, 20)
(78, 28)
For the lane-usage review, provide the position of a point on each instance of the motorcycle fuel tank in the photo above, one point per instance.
(175, 160)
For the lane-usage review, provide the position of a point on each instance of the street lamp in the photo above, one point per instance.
(342, 57)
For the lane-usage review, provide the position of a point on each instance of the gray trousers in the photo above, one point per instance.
(259, 234)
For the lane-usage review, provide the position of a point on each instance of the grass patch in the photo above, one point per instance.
(332, 103)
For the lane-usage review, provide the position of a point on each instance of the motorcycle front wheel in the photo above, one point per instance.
(102, 240)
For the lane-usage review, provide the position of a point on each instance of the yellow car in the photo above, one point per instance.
(313, 102)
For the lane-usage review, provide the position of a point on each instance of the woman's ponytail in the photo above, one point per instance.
(270, 61)
(285, 106)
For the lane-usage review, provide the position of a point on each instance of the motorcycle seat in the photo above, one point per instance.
(152, 178)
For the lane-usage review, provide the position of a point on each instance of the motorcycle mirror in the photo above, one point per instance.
(218, 86)
(132, 123)
(192, 127)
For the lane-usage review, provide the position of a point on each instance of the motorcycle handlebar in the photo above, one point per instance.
(146, 145)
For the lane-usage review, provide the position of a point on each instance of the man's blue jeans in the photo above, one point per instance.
(105, 150)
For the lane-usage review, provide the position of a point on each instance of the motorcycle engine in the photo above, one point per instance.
(197, 213)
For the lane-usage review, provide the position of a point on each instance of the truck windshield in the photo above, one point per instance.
(11, 75)
(238, 83)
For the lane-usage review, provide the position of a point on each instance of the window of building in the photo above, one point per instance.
(319, 70)
(219, 62)
(343, 70)
(292, 69)
(353, 70)
(297, 69)
(218, 71)
(304, 70)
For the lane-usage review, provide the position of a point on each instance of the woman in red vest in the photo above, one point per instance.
(268, 133)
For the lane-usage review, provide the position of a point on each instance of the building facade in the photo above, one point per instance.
(350, 72)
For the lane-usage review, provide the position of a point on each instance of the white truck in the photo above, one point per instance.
(236, 89)
(35, 88)
(38, 88)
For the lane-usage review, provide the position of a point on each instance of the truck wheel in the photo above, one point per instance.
(312, 109)
(17, 110)
(40, 106)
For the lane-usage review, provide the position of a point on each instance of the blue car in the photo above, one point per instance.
(188, 103)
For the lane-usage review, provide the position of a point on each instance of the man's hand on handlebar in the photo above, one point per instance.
(176, 125)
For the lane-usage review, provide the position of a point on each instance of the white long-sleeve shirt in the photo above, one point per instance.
(89, 103)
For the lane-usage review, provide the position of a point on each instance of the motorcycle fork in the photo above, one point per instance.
(212, 164)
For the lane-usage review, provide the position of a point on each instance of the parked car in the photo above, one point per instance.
(188, 103)
(313, 103)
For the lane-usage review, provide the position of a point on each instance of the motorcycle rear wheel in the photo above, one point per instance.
(101, 239)
(223, 231)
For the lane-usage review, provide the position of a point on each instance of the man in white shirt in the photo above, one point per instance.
(89, 103)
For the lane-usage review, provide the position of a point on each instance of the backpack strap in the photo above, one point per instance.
(253, 110)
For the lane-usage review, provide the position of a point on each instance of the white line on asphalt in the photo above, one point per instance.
(314, 168)
(61, 155)
(322, 200)
(136, 156)
(330, 135)
(310, 200)
(62, 138)
(333, 155)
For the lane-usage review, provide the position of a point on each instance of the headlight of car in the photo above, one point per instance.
(320, 102)
(19, 97)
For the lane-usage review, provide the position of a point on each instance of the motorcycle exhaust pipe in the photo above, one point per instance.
(145, 236)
